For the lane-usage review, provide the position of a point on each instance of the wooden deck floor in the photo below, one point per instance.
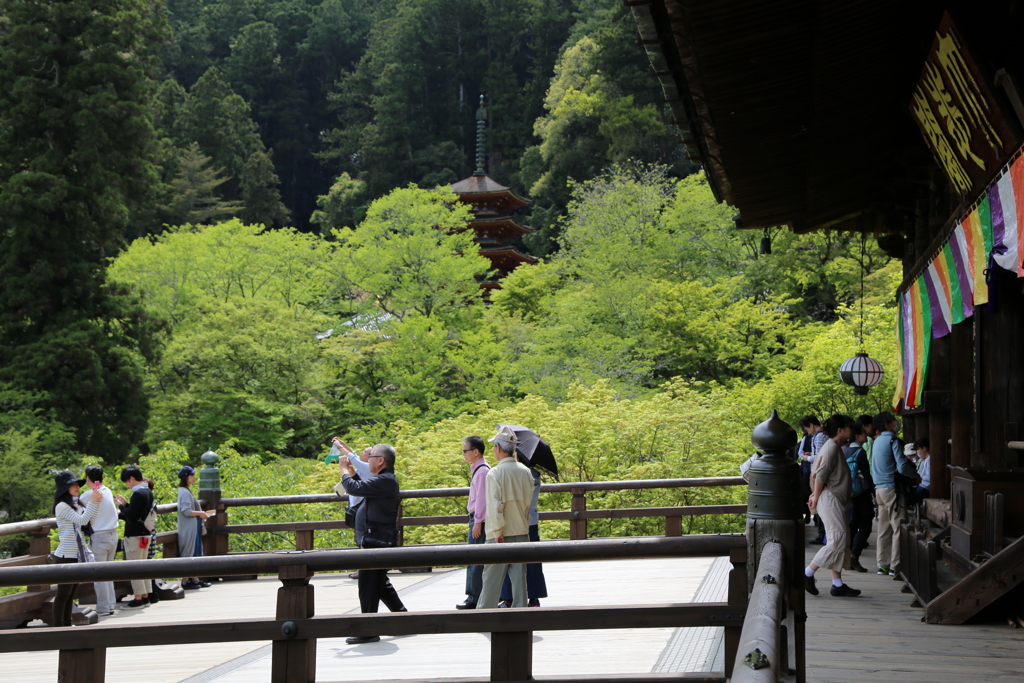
(877, 636)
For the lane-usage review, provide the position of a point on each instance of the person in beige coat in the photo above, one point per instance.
(831, 496)
(509, 487)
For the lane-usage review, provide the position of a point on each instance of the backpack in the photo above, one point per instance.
(855, 475)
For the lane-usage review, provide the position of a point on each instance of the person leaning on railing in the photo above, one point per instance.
(103, 541)
(71, 548)
(190, 524)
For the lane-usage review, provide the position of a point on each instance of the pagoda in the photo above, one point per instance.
(493, 207)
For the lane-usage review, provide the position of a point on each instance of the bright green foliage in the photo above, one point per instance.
(182, 268)
(413, 255)
(242, 371)
(342, 206)
(76, 146)
(245, 305)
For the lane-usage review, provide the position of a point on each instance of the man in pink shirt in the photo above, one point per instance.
(473, 452)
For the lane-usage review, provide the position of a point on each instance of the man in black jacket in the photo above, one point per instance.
(136, 512)
(376, 526)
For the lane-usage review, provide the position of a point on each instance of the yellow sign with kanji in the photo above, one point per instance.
(957, 115)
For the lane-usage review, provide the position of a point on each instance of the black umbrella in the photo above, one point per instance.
(533, 450)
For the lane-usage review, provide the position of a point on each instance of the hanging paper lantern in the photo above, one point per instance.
(861, 372)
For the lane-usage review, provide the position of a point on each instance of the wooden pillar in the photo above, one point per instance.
(38, 545)
(401, 527)
(737, 596)
(938, 436)
(294, 661)
(961, 415)
(512, 656)
(578, 525)
(82, 666)
(304, 539)
(170, 547)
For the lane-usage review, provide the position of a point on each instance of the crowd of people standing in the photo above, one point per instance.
(88, 513)
(854, 472)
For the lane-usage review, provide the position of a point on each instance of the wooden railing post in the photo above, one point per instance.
(39, 545)
(774, 516)
(737, 597)
(512, 656)
(304, 539)
(578, 524)
(214, 543)
(294, 660)
(82, 666)
(674, 526)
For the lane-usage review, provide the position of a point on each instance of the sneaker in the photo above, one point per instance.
(844, 591)
(505, 603)
(856, 566)
(105, 614)
(892, 572)
(136, 604)
(883, 571)
(190, 585)
(354, 575)
(809, 585)
(534, 602)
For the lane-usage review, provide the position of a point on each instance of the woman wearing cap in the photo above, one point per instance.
(190, 524)
(71, 548)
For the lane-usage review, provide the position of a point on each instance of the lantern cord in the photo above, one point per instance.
(863, 241)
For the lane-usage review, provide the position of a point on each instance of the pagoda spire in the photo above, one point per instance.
(481, 122)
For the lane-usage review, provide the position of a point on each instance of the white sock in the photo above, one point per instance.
(837, 582)
(808, 572)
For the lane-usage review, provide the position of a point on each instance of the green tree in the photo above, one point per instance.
(413, 254)
(260, 197)
(76, 150)
(342, 206)
(193, 197)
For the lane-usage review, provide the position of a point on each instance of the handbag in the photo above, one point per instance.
(84, 551)
(350, 516)
(377, 536)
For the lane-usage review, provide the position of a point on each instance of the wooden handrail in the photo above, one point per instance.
(395, 624)
(31, 525)
(761, 627)
(367, 558)
(561, 487)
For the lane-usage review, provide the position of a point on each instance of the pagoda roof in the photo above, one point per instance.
(505, 225)
(506, 257)
(483, 187)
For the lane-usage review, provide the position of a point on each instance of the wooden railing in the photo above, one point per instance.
(295, 629)
(577, 514)
(31, 604)
(763, 653)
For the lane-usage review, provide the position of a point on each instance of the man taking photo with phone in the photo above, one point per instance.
(137, 513)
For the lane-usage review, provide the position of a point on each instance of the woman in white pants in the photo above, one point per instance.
(831, 496)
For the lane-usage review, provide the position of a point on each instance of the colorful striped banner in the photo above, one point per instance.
(949, 288)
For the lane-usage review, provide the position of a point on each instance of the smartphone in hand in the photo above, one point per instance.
(96, 486)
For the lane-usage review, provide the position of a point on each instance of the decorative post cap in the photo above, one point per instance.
(209, 474)
(773, 436)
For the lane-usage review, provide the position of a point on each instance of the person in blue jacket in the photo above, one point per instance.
(887, 459)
